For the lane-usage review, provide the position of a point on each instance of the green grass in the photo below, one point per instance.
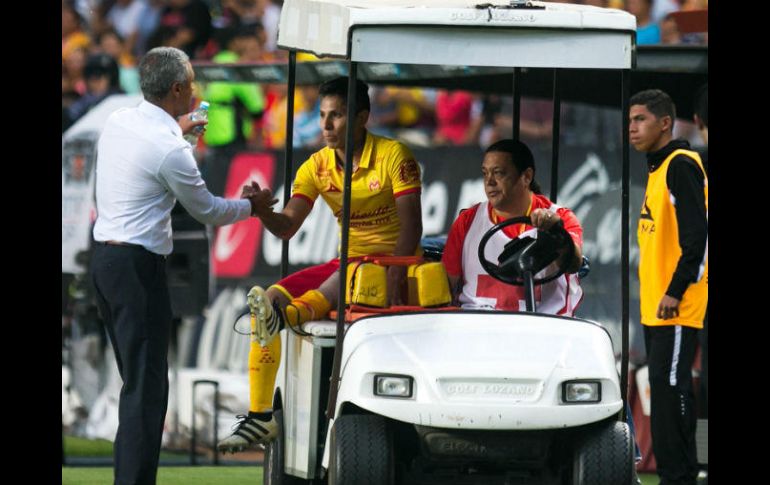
(82, 447)
(74, 446)
(201, 475)
(204, 475)
(648, 478)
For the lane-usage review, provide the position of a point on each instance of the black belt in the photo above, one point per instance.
(129, 245)
(120, 243)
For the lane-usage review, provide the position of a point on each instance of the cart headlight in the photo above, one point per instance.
(392, 386)
(578, 392)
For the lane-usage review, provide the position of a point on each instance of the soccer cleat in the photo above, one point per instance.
(267, 319)
(248, 431)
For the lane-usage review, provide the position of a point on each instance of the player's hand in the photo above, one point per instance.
(396, 281)
(668, 307)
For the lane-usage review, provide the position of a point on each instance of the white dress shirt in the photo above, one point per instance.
(143, 165)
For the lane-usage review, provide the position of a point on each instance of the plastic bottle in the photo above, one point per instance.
(202, 113)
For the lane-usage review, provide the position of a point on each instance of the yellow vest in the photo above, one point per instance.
(659, 252)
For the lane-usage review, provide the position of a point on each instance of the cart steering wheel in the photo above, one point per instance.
(522, 256)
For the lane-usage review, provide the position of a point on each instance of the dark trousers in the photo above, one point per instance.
(132, 296)
(670, 356)
(704, 368)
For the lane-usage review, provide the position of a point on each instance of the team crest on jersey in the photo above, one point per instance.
(374, 184)
(409, 171)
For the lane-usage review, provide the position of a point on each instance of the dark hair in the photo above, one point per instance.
(339, 87)
(657, 102)
(521, 157)
(701, 107)
(98, 65)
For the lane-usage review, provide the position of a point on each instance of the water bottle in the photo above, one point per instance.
(202, 113)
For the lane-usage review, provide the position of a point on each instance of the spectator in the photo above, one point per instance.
(102, 80)
(647, 31)
(184, 24)
(73, 68)
(415, 109)
(307, 130)
(125, 18)
(73, 37)
(669, 31)
(453, 118)
(148, 23)
(234, 106)
(110, 42)
(270, 15)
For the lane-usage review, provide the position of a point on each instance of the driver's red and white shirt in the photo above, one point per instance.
(480, 291)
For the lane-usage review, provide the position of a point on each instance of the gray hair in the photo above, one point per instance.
(159, 69)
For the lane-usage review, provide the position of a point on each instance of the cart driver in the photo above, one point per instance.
(508, 169)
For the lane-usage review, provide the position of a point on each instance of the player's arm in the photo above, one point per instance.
(286, 223)
(409, 211)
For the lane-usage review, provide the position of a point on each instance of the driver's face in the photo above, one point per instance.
(503, 183)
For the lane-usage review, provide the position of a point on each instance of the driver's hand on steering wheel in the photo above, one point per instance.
(544, 219)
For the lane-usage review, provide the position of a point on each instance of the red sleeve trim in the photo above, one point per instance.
(407, 192)
(453, 249)
(304, 197)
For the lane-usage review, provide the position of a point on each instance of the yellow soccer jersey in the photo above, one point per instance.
(387, 170)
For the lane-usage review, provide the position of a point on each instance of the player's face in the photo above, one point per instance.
(503, 183)
(334, 121)
(645, 130)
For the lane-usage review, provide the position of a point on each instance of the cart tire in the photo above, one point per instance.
(605, 456)
(273, 470)
(361, 451)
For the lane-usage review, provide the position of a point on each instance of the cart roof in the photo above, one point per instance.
(460, 32)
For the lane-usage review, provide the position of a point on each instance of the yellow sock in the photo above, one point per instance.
(263, 367)
(312, 305)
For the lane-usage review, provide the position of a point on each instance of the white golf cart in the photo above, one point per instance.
(456, 396)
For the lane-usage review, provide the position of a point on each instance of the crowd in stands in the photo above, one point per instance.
(102, 41)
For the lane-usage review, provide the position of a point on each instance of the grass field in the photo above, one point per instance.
(204, 475)
(175, 475)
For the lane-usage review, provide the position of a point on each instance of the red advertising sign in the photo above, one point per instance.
(236, 245)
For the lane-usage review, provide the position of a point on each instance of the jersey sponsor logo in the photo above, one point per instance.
(409, 171)
(646, 213)
(332, 188)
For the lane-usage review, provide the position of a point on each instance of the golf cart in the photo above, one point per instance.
(457, 396)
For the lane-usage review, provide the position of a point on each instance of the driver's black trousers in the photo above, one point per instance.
(670, 356)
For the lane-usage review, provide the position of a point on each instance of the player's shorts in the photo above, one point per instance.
(311, 278)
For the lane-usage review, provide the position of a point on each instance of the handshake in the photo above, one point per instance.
(262, 200)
